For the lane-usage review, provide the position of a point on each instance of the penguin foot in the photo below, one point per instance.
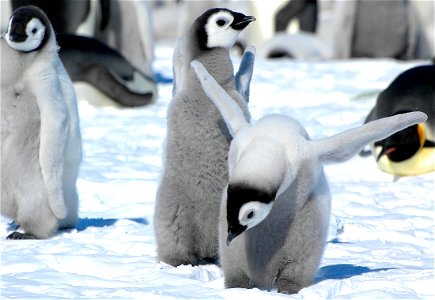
(20, 236)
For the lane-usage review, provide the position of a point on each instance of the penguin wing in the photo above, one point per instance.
(179, 65)
(53, 135)
(230, 111)
(244, 74)
(345, 145)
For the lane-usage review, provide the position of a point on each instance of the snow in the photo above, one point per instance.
(381, 235)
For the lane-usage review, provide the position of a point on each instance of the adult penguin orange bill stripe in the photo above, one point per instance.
(412, 150)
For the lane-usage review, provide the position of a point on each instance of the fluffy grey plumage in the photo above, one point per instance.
(195, 163)
(40, 136)
(275, 210)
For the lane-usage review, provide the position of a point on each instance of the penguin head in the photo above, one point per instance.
(403, 144)
(28, 29)
(220, 27)
(247, 206)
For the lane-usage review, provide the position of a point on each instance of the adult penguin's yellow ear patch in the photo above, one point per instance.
(421, 134)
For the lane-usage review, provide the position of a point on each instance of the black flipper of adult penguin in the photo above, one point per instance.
(89, 60)
(412, 150)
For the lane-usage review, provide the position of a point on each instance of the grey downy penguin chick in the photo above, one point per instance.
(412, 150)
(275, 210)
(40, 134)
(195, 159)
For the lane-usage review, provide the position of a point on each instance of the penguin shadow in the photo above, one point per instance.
(343, 271)
(86, 223)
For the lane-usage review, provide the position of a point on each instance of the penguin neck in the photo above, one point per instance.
(218, 63)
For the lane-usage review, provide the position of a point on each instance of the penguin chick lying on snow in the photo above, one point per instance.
(195, 163)
(277, 200)
(410, 151)
(40, 134)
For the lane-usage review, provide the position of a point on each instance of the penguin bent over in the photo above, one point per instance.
(197, 141)
(275, 209)
(40, 134)
(410, 151)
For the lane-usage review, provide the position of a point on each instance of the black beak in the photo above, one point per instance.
(16, 37)
(233, 232)
(241, 24)
(385, 151)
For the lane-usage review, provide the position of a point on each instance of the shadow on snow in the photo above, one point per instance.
(342, 271)
(85, 223)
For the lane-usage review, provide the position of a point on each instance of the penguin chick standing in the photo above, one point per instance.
(412, 150)
(275, 210)
(40, 135)
(197, 141)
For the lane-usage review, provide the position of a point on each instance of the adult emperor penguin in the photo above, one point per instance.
(275, 208)
(40, 134)
(197, 141)
(412, 150)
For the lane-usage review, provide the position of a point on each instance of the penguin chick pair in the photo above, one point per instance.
(195, 158)
(412, 150)
(40, 134)
(275, 208)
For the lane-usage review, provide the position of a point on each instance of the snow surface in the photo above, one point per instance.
(381, 237)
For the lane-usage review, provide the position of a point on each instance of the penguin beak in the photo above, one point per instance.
(233, 232)
(16, 37)
(243, 22)
(385, 151)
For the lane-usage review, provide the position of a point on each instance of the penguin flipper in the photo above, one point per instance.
(345, 145)
(53, 135)
(87, 59)
(118, 89)
(230, 111)
(244, 74)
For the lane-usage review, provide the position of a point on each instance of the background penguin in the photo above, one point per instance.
(89, 60)
(275, 209)
(104, 48)
(195, 168)
(40, 134)
(412, 150)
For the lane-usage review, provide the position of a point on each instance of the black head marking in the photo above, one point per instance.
(237, 196)
(18, 25)
(239, 23)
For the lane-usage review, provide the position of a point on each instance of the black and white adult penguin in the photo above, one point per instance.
(275, 208)
(412, 150)
(40, 134)
(197, 141)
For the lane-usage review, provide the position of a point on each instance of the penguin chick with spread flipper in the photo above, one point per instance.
(275, 209)
(195, 167)
(40, 134)
(410, 151)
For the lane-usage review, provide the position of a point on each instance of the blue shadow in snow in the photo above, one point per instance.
(100, 222)
(337, 241)
(343, 271)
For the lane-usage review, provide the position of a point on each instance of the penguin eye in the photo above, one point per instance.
(250, 215)
(34, 30)
(221, 22)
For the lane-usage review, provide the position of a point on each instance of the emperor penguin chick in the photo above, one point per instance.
(40, 135)
(197, 141)
(275, 210)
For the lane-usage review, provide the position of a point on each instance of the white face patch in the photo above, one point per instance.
(35, 32)
(252, 213)
(219, 30)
